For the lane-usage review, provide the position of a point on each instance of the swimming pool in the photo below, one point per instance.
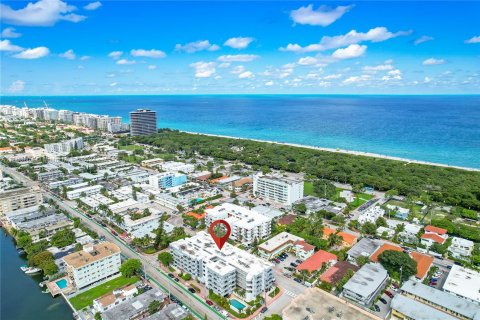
(62, 283)
(237, 304)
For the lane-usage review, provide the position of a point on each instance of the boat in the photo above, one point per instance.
(21, 251)
(30, 270)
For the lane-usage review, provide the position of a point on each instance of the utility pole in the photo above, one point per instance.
(401, 271)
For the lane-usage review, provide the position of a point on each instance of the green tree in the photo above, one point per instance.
(361, 260)
(393, 261)
(369, 228)
(166, 258)
(63, 238)
(131, 267)
(154, 306)
(300, 208)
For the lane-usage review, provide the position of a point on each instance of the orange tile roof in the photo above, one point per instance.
(336, 272)
(423, 263)
(305, 246)
(348, 237)
(434, 237)
(286, 219)
(384, 247)
(197, 216)
(316, 261)
(218, 179)
(328, 231)
(437, 230)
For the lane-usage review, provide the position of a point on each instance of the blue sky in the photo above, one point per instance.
(54, 47)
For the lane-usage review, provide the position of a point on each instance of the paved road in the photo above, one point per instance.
(196, 304)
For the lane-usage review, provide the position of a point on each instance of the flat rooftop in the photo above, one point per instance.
(417, 310)
(463, 282)
(132, 307)
(367, 279)
(365, 247)
(278, 241)
(459, 305)
(317, 304)
(91, 254)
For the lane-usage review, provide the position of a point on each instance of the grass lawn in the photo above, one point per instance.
(130, 147)
(86, 298)
(308, 188)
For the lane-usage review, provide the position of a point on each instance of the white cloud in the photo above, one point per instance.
(41, 13)
(111, 75)
(374, 69)
(350, 52)
(237, 58)
(224, 65)
(10, 33)
(115, 54)
(34, 53)
(238, 42)
(332, 76)
(427, 80)
(245, 75)
(377, 34)
(126, 62)
(269, 83)
(323, 16)
(203, 69)
(152, 67)
(389, 61)
(237, 70)
(393, 75)
(16, 86)
(153, 53)
(69, 54)
(199, 45)
(6, 45)
(356, 79)
(422, 39)
(475, 39)
(93, 5)
(113, 84)
(433, 61)
(83, 58)
(307, 61)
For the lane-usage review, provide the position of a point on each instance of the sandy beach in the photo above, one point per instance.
(351, 152)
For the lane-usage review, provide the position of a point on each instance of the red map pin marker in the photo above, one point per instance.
(220, 241)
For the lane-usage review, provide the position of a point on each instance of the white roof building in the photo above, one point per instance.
(247, 225)
(461, 248)
(464, 283)
(222, 270)
(371, 214)
(276, 245)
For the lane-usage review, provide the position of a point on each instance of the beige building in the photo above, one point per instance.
(16, 199)
(94, 263)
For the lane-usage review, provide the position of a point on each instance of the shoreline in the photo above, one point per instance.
(342, 151)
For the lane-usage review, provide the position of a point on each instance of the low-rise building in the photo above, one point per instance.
(440, 300)
(405, 308)
(277, 245)
(433, 235)
(461, 248)
(167, 180)
(151, 163)
(49, 175)
(64, 147)
(366, 284)
(85, 191)
(111, 299)
(178, 167)
(222, 270)
(92, 264)
(303, 250)
(363, 248)
(464, 283)
(20, 198)
(336, 272)
(135, 308)
(247, 225)
(371, 214)
(318, 260)
(424, 262)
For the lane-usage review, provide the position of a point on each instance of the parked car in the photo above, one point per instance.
(389, 294)
(171, 275)
(382, 300)
(377, 308)
(298, 261)
(177, 280)
(264, 309)
(297, 280)
(276, 261)
(293, 264)
(210, 303)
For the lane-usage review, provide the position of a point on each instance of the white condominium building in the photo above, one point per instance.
(16, 199)
(93, 263)
(178, 166)
(83, 192)
(222, 270)
(279, 189)
(247, 225)
(64, 147)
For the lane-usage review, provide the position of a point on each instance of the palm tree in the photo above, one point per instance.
(334, 239)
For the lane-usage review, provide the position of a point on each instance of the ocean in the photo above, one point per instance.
(443, 128)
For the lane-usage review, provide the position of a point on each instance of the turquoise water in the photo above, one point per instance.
(237, 304)
(62, 283)
(443, 129)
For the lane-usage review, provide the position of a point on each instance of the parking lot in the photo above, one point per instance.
(438, 280)
(384, 308)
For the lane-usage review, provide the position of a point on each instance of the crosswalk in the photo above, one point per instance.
(290, 293)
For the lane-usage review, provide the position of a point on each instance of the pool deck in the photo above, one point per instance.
(55, 290)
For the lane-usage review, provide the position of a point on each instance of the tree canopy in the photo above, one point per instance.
(393, 260)
(131, 267)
